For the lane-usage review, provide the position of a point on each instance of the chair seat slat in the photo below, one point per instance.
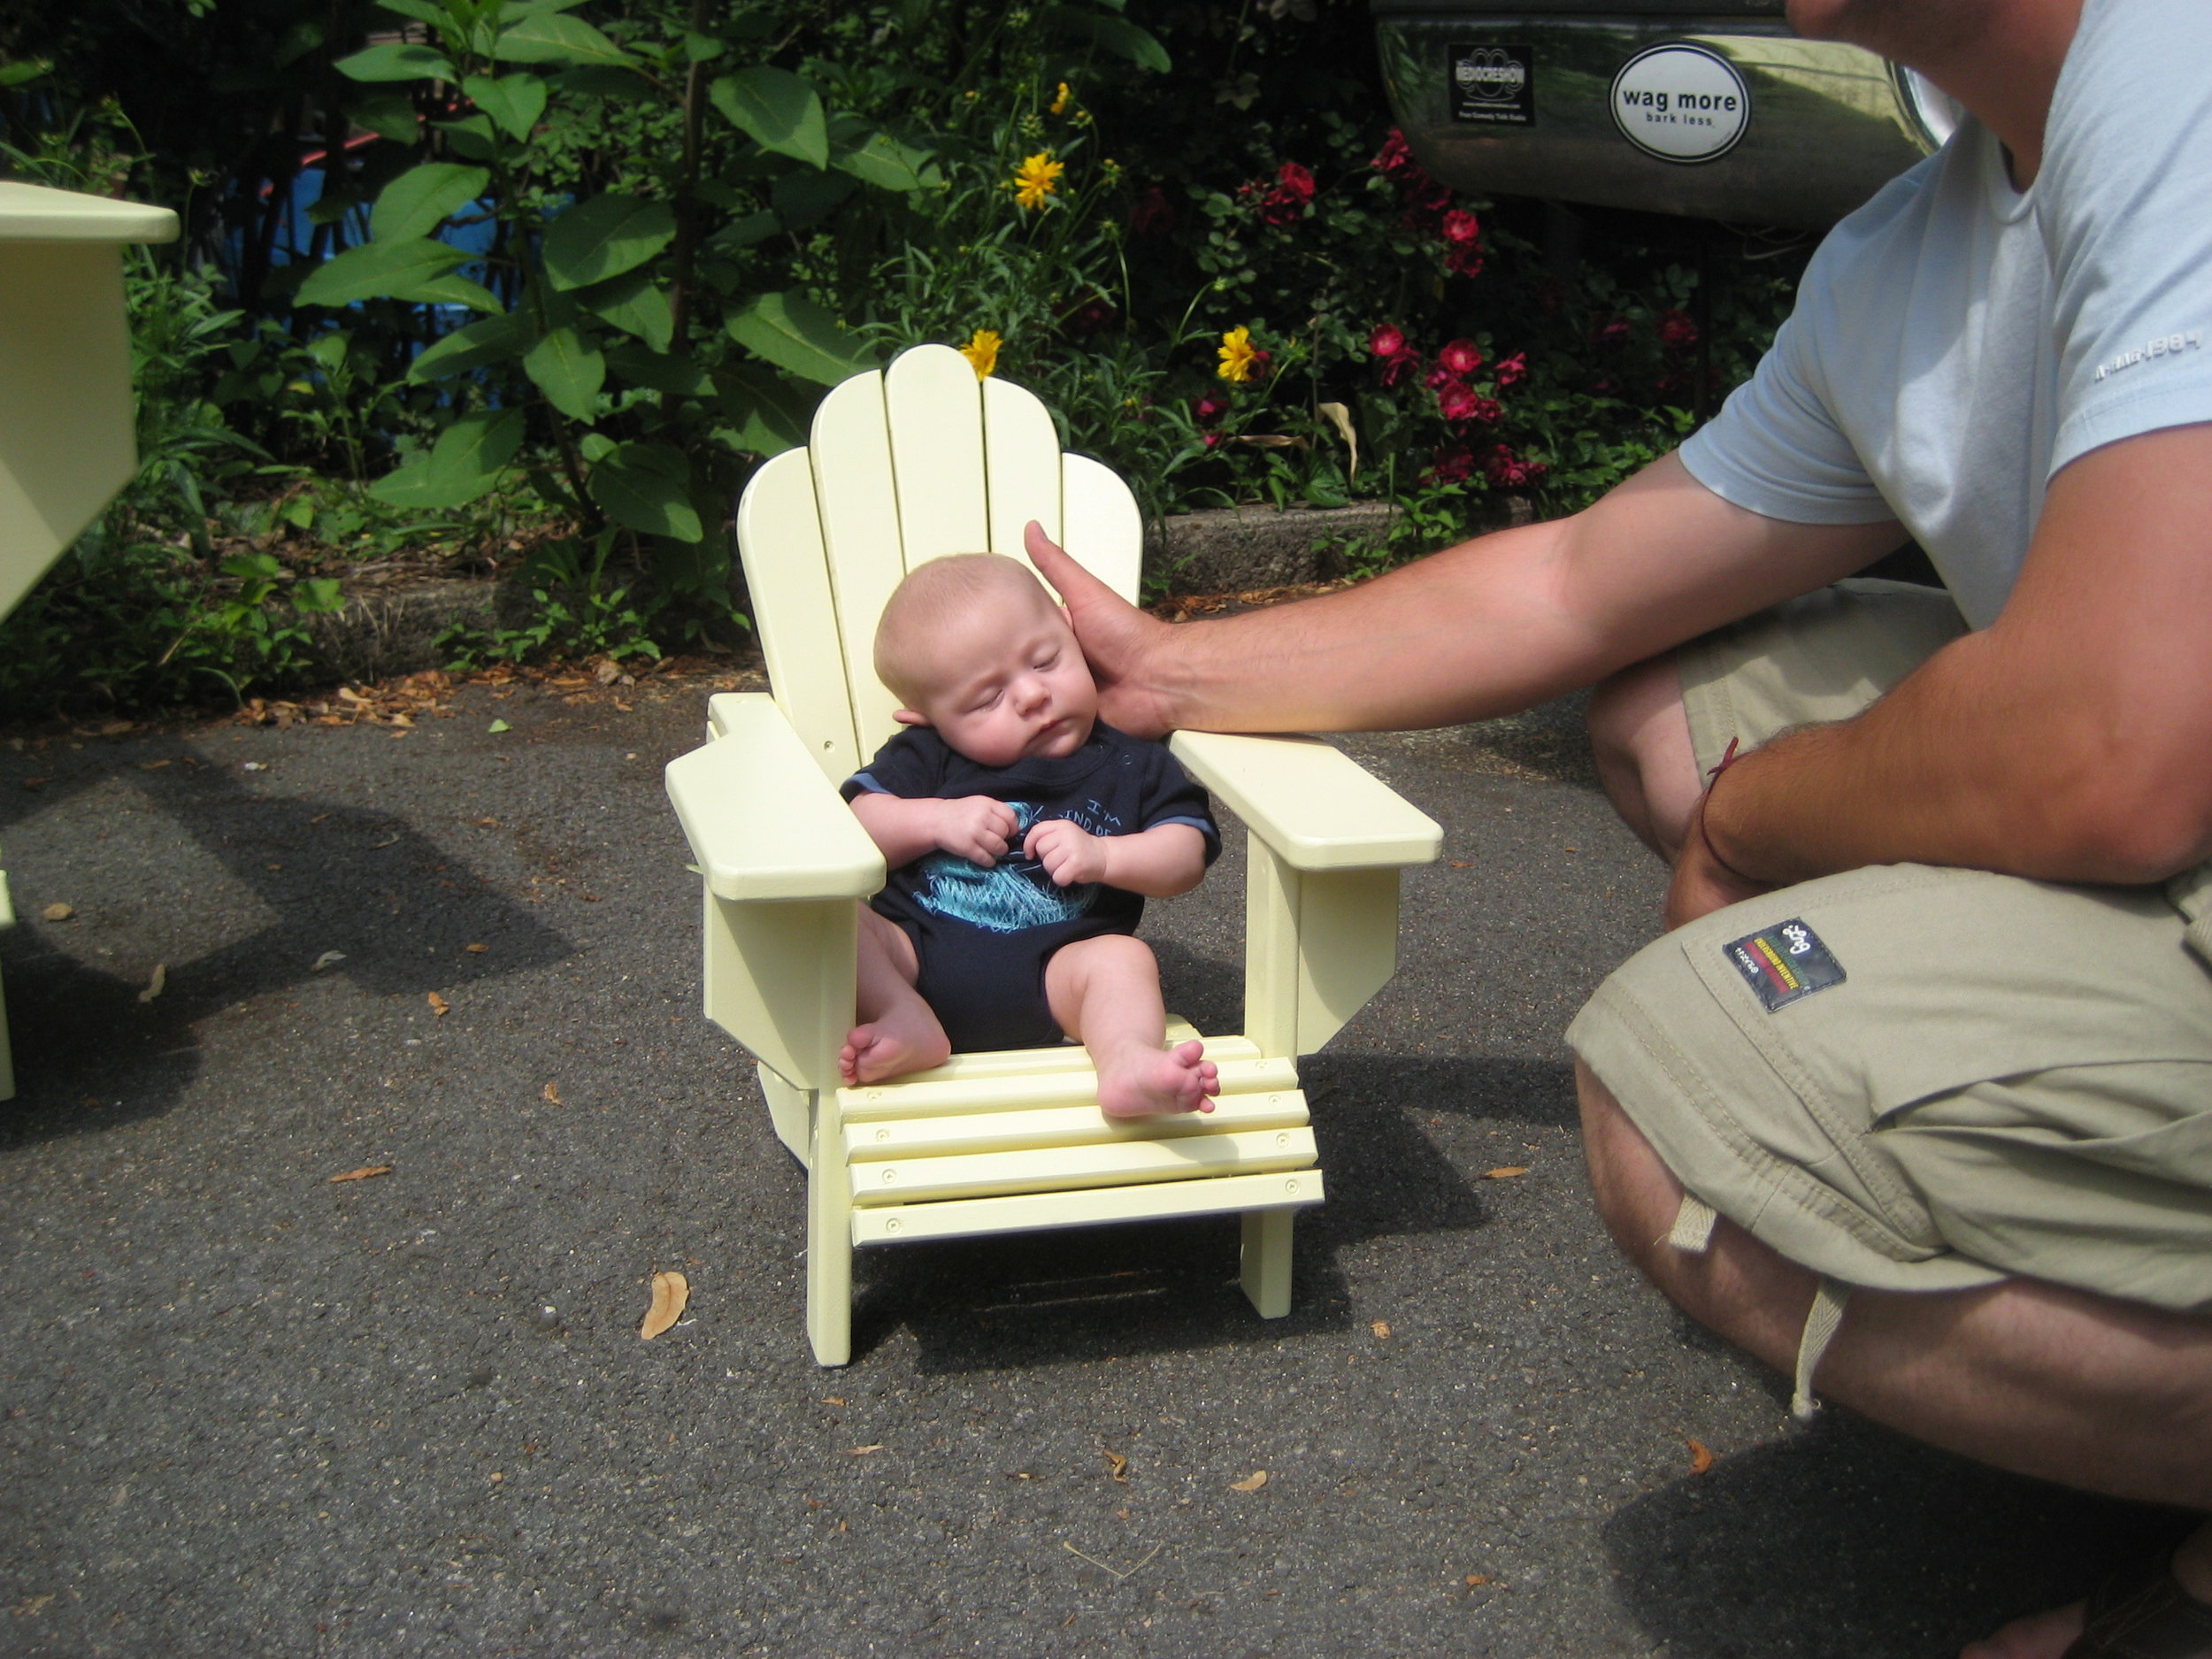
(1033, 1212)
(1073, 1086)
(1064, 1126)
(1053, 1169)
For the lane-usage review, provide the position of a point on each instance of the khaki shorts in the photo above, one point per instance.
(1913, 1078)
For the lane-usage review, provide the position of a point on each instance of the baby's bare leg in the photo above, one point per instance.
(897, 1033)
(1105, 992)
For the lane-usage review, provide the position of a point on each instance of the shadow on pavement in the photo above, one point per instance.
(400, 910)
(1918, 1552)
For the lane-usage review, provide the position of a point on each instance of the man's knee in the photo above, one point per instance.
(1640, 735)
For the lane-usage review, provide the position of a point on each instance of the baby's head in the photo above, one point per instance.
(973, 646)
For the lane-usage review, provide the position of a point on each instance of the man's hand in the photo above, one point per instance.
(1116, 636)
(1070, 854)
(977, 828)
(1701, 883)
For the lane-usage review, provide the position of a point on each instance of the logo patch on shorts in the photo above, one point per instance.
(1784, 962)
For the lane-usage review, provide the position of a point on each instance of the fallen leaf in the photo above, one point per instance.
(1253, 1483)
(253, 765)
(1116, 1465)
(1381, 1328)
(318, 818)
(326, 959)
(833, 1400)
(671, 1291)
(1458, 863)
(476, 950)
(378, 846)
(499, 725)
(362, 1174)
(151, 765)
(861, 1451)
(154, 985)
(59, 912)
(1340, 418)
(438, 1005)
(552, 1094)
(1475, 1578)
(487, 823)
(1701, 1455)
(1505, 1172)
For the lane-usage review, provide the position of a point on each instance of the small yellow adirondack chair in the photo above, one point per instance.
(66, 441)
(903, 466)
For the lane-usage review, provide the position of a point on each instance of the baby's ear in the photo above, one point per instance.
(908, 716)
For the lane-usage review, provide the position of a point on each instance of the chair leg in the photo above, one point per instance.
(829, 1251)
(1266, 1261)
(790, 1109)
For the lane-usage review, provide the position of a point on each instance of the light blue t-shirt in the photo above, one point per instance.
(1956, 341)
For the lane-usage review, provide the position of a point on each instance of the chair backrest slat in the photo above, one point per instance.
(786, 577)
(1021, 453)
(901, 467)
(935, 410)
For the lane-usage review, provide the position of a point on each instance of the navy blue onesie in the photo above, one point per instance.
(982, 933)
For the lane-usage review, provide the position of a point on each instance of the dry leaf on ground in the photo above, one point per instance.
(1475, 1580)
(1251, 1483)
(1381, 1328)
(1701, 1455)
(59, 912)
(154, 985)
(1505, 1172)
(1116, 1465)
(861, 1451)
(670, 1291)
(328, 958)
(476, 950)
(362, 1174)
(552, 1094)
(438, 1005)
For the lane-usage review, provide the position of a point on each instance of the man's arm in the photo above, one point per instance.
(1488, 627)
(2071, 741)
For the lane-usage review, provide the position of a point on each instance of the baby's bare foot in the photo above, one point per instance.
(891, 1047)
(2041, 1636)
(1141, 1082)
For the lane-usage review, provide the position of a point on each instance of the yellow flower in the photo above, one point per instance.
(1060, 104)
(1239, 357)
(1037, 178)
(982, 352)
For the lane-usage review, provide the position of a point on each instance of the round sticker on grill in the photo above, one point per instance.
(1680, 103)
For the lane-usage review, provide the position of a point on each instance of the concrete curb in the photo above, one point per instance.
(385, 631)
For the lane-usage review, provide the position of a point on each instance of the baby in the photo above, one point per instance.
(1023, 838)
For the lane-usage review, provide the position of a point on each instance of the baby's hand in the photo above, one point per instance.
(977, 828)
(1069, 854)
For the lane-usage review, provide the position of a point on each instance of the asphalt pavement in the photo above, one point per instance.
(246, 1408)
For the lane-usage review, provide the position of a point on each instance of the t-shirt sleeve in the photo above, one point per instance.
(2122, 205)
(1775, 446)
(911, 765)
(1171, 797)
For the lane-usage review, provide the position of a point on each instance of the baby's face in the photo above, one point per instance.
(1009, 682)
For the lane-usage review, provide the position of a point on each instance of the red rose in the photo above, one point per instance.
(1437, 379)
(1510, 369)
(1452, 465)
(1611, 332)
(1461, 227)
(1461, 357)
(1209, 408)
(1396, 369)
(1387, 340)
(1293, 180)
(1457, 403)
(1677, 330)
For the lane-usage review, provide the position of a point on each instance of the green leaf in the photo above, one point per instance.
(594, 80)
(465, 463)
(773, 414)
(644, 487)
(318, 594)
(778, 110)
(884, 162)
(793, 332)
(804, 198)
(552, 37)
(605, 236)
(395, 62)
(1116, 36)
(744, 232)
(389, 115)
(418, 202)
(496, 340)
(513, 101)
(379, 270)
(679, 377)
(22, 74)
(595, 446)
(470, 136)
(514, 11)
(637, 305)
(497, 727)
(569, 369)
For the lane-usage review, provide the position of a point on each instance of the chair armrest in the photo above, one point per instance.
(763, 821)
(1316, 807)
